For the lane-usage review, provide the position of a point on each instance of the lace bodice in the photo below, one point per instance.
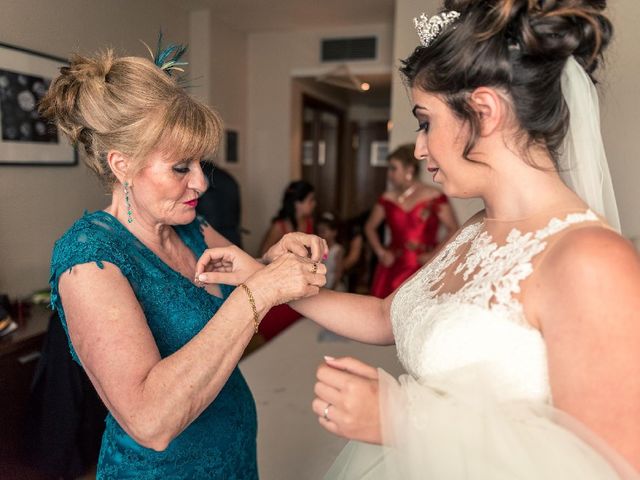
(463, 309)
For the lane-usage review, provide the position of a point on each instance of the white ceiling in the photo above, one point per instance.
(269, 15)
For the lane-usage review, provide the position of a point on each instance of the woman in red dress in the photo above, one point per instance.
(413, 212)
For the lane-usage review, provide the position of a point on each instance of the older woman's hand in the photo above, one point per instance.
(302, 244)
(229, 265)
(287, 278)
(346, 400)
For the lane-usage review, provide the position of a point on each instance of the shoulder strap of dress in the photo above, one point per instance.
(557, 225)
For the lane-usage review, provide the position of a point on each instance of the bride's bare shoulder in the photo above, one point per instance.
(588, 270)
(591, 247)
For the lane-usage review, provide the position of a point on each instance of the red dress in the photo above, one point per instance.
(281, 316)
(413, 233)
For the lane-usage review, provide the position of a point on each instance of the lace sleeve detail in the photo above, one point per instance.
(89, 240)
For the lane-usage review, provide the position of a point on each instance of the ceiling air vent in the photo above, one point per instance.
(355, 48)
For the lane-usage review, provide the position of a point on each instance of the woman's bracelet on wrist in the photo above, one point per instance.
(252, 301)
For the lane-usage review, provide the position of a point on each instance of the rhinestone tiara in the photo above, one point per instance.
(429, 28)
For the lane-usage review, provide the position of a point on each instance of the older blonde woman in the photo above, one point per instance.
(161, 350)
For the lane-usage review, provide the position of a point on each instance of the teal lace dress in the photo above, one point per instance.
(221, 442)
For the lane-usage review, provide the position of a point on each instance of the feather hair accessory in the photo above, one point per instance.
(168, 58)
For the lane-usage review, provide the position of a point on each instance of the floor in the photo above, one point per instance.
(291, 444)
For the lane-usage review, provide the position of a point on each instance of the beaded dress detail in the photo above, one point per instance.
(221, 442)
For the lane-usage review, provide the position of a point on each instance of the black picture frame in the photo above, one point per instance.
(23, 142)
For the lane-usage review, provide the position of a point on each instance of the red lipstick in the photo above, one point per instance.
(192, 203)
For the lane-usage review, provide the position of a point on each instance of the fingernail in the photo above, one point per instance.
(202, 277)
(325, 256)
(327, 358)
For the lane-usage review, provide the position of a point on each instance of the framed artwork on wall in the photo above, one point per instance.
(25, 137)
(378, 154)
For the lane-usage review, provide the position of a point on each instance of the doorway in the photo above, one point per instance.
(339, 145)
(321, 150)
(340, 142)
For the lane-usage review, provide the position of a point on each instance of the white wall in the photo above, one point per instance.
(274, 58)
(620, 109)
(37, 204)
(219, 69)
(620, 102)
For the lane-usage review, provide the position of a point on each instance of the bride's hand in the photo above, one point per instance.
(228, 265)
(346, 400)
(302, 244)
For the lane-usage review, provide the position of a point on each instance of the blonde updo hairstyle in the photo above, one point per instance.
(128, 104)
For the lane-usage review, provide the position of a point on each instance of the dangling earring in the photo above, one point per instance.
(127, 202)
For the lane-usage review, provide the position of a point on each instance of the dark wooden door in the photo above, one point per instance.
(363, 182)
(322, 137)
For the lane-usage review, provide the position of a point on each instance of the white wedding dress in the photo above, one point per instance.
(476, 402)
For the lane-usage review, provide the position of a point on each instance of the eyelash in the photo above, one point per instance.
(181, 170)
(423, 126)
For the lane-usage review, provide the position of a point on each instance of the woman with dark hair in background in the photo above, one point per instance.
(295, 214)
(414, 213)
(520, 336)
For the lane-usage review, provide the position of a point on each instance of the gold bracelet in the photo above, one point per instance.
(256, 318)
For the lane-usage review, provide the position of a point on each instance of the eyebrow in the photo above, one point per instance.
(417, 107)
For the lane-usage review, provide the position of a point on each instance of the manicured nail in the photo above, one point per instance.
(327, 358)
(202, 277)
(325, 256)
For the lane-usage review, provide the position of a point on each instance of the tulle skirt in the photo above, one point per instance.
(459, 429)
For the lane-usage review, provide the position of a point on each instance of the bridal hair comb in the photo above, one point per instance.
(168, 58)
(429, 28)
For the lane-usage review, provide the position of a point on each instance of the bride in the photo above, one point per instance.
(521, 337)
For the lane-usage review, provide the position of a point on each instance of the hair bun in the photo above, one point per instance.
(547, 29)
(83, 75)
(561, 28)
(87, 68)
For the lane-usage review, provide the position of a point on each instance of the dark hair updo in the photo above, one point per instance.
(296, 191)
(518, 46)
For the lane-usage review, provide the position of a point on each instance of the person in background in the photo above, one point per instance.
(414, 213)
(327, 228)
(359, 261)
(295, 214)
(220, 204)
(161, 350)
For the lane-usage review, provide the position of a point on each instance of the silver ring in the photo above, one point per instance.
(325, 414)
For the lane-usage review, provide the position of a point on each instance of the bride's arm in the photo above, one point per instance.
(588, 307)
(360, 317)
